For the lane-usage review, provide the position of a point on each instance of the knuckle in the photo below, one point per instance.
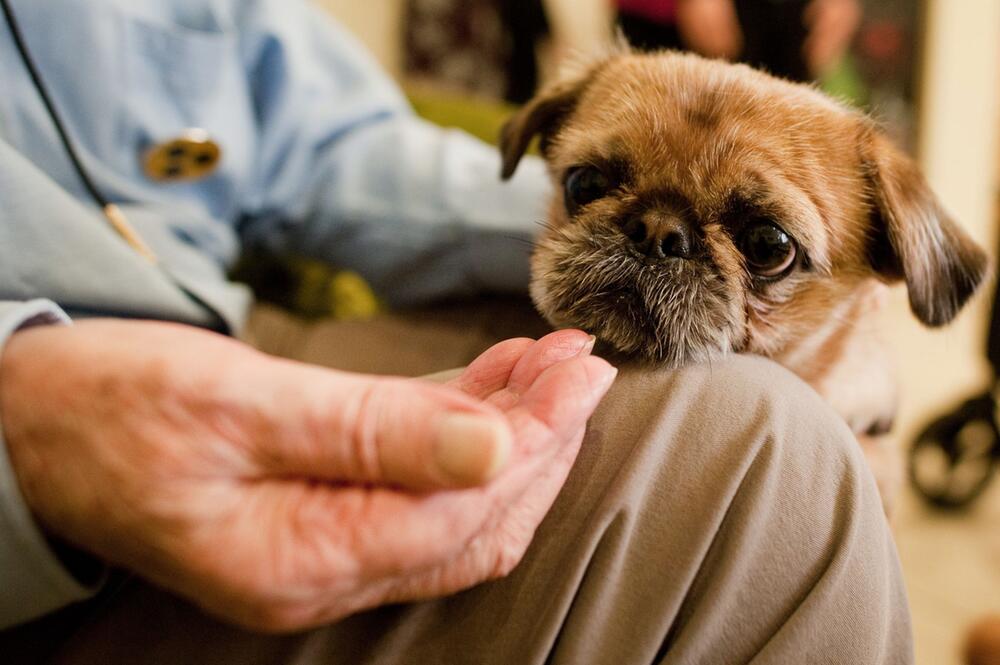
(507, 560)
(374, 422)
(364, 444)
(509, 563)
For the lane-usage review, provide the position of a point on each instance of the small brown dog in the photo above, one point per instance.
(705, 208)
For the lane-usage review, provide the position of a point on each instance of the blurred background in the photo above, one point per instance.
(928, 69)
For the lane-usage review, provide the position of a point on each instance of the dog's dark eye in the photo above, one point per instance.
(769, 251)
(585, 184)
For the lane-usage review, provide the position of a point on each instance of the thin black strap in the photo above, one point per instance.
(29, 63)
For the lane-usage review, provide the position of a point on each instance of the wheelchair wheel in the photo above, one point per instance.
(952, 461)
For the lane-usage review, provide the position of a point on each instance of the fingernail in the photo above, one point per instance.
(589, 346)
(471, 449)
(606, 381)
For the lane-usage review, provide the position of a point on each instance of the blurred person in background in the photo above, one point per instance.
(798, 39)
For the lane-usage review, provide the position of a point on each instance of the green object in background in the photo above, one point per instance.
(482, 118)
(343, 294)
(308, 288)
(845, 83)
(315, 290)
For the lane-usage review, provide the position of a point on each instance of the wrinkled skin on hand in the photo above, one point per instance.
(279, 495)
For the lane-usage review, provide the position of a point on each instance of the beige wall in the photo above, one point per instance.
(581, 25)
(378, 23)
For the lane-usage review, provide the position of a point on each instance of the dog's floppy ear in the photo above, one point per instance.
(914, 239)
(543, 115)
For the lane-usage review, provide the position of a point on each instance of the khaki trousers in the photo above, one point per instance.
(718, 513)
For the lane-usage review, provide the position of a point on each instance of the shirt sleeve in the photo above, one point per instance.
(32, 579)
(348, 174)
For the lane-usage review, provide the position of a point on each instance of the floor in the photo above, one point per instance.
(952, 569)
(951, 561)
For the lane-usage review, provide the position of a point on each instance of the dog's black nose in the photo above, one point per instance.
(659, 237)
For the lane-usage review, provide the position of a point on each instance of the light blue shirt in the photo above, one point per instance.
(322, 158)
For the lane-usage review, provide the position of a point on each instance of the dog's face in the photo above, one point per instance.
(705, 207)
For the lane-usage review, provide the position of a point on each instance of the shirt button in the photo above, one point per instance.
(191, 156)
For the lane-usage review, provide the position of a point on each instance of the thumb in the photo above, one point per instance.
(389, 431)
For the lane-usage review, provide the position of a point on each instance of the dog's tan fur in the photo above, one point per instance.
(717, 143)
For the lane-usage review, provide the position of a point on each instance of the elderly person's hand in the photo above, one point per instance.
(280, 495)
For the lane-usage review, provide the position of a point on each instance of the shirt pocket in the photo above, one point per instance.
(173, 59)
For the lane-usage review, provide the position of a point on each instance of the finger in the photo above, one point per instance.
(380, 431)
(489, 373)
(548, 425)
(383, 533)
(499, 547)
(391, 536)
(549, 350)
(418, 448)
(559, 402)
(491, 370)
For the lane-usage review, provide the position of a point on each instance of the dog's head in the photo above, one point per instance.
(706, 207)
